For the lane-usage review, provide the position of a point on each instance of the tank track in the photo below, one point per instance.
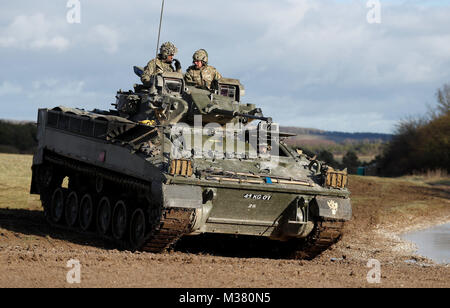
(173, 225)
(324, 235)
(166, 228)
(169, 225)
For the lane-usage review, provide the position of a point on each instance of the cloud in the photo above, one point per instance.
(48, 93)
(52, 92)
(107, 37)
(326, 114)
(37, 31)
(58, 91)
(32, 32)
(305, 62)
(333, 44)
(7, 88)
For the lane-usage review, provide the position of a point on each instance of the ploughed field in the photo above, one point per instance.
(34, 255)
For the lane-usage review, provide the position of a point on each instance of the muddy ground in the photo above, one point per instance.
(34, 255)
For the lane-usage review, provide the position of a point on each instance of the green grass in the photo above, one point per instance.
(15, 180)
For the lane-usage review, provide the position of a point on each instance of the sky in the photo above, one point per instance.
(307, 63)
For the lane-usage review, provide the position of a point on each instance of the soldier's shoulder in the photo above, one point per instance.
(211, 68)
(151, 62)
(191, 68)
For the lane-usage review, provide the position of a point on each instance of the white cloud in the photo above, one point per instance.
(305, 57)
(7, 88)
(49, 93)
(32, 32)
(286, 19)
(107, 37)
(55, 91)
(38, 31)
(324, 42)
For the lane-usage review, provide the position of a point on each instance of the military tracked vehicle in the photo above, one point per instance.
(172, 160)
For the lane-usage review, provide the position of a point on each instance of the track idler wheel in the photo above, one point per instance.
(86, 212)
(104, 214)
(119, 220)
(137, 229)
(72, 209)
(57, 205)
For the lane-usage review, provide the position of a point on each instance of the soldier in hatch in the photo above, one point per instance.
(201, 74)
(163, 63)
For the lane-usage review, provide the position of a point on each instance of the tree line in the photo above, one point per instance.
(17, 138)
(420, 144)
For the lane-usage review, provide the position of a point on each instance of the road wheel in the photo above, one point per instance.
(119, 220)
(57, 205)
(137, 229)
(104, 216)
(86, 212)
(72, 209)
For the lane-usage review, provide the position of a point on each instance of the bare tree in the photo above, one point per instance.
(443, 97)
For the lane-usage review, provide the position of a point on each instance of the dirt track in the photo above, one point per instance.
(33, 255)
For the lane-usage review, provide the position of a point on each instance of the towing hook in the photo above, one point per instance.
(315, 166)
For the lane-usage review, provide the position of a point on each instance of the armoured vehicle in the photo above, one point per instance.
(136, 176)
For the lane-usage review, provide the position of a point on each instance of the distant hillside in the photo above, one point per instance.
(316, 135)
(335, 145)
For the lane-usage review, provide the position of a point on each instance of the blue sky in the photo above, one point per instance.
(307, 63)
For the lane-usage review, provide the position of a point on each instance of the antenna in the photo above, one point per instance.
(160, 23)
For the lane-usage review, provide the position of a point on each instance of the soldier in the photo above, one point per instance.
(201, 74)
(163, 63)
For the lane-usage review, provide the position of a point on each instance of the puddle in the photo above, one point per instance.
(433, 243)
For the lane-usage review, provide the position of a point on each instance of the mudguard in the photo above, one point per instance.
(182, 196)
(332, 208)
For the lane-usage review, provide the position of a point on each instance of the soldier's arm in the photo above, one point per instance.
(217, 76)
(152, 68)
(148, 72)
(188, 77)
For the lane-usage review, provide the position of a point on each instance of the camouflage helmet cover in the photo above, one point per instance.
(201, 55)
(168, 49)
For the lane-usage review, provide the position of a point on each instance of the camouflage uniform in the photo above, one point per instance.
(202, 77)
(159, 65)
(154, 67)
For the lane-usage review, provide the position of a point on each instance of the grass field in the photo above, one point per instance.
(15, 179)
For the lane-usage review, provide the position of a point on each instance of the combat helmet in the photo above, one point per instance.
(201, 55)
(167, 49)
